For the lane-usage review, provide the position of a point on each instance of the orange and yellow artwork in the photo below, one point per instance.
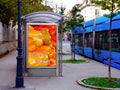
(42, 45)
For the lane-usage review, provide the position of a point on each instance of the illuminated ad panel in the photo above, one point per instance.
(42, 45)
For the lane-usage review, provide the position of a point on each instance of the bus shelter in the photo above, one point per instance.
(41, 43)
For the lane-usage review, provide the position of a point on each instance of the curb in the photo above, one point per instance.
(93, 87)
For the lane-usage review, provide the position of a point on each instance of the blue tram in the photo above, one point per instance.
(93, 42)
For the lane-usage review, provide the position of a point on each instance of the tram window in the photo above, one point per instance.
(105, 40)
(119, 40)
(80, 42)
(88, 40)
(102, 40)
(76, 39)
(99, 40)
(115, 40)
(96, 40)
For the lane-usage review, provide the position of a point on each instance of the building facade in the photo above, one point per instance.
(91, 11)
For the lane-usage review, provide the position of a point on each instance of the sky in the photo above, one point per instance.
(65, 3)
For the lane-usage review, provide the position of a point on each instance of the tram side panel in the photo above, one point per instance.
(75, 45)
(88, 42)
(78, 37)
(101, 51)
(101, 48)
(83, 46)
(83, 42)
(116, 44)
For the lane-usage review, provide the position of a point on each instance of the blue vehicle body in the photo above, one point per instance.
(88, 52)
(95, 43)
(88, 29)
(78, 31)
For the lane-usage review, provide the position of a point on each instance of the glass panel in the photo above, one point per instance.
(101, 40)
(105, 40)
(80, 42)
(115, 41)
(119, 40)
(88, 40)
(76, 39)
(97, 40)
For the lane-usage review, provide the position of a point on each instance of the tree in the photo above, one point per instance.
(60, 31)
(62, 10)
(76, 19)
(8, 9)
(113, 6)
(8, 12)
(28, 6)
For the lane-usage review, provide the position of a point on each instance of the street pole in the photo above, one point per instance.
(19, 71)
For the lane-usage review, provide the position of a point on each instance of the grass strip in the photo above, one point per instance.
(102, 82)
(73, 61)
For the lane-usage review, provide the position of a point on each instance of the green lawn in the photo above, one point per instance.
(102, 82)
(73, 61)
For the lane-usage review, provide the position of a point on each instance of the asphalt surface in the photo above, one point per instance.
(70, 73)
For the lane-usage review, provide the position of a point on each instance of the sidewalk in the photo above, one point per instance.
(71, 73)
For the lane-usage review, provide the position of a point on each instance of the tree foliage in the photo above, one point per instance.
(62, 10)
(76, 19)
(8, 9)
(111, 5)
(28, 6)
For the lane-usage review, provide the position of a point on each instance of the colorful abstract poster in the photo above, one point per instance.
(42, 45)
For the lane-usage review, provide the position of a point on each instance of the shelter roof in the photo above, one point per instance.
(44, 16)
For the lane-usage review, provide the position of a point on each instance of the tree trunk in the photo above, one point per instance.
(74, 46)
(110, 46)
(110, 50)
